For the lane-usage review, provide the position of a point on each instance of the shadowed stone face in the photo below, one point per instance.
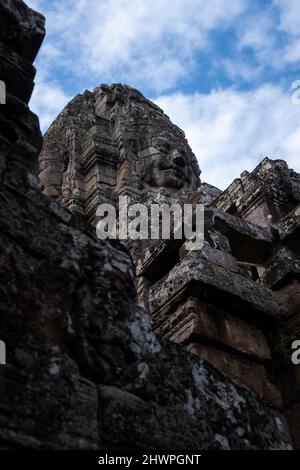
(116, 141)
(164, 165)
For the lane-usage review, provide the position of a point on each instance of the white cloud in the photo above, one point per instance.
(236, 69)
(146, 44)
(156, 44)
(289, 16)
(273, 34)
(290, 25)
(257, 31)
(151, 43)
(47, 101)
(231, 131)
(35, 4)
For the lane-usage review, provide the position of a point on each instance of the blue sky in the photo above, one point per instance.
(221, 69)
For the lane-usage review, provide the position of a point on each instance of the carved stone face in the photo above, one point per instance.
(165, 165)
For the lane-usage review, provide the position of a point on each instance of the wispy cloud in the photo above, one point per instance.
(149, 43)
(231, 131)
(48, 100)
(273, 34)
(290, 25)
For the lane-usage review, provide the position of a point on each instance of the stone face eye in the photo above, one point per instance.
(167, 147)
(179, 161)
(164, 147)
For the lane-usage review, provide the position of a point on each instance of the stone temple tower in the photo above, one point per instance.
(115, 142)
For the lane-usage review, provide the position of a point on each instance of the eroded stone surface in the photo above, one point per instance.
(114, 142)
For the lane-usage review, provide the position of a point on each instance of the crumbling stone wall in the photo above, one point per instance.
(84, 368)
(263, 196)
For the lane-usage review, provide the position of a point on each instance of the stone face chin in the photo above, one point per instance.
(166, 166)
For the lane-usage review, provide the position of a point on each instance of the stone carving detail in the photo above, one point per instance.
(115, 142)
(264, 196)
